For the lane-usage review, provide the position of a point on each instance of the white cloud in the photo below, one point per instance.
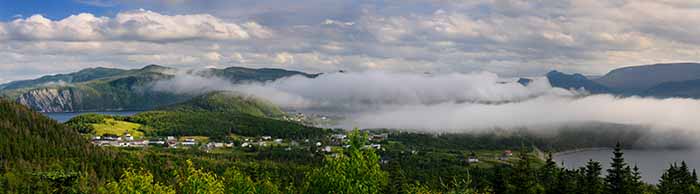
(507, 37)
(139, 25)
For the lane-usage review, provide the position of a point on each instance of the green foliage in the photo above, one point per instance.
(619, 179)
(357, 172)
(118, 89)
(592, 183)
(133, 181)
(523, 180)
(237, 182)
(220, 114)
(197, 181)
(84, 123)
(678, 179)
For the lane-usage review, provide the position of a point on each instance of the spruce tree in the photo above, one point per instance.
(617, 180)
(635, 182)
(592, 183)
(549, 175)
(523, 179)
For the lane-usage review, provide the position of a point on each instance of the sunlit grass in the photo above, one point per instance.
(111, 126)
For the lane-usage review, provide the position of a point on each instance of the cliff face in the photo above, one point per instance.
(50, 99)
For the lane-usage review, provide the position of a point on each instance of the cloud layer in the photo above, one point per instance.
(455, 102)
(506, 37)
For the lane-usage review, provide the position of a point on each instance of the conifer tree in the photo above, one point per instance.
(592, 183)
(617, 180)
(549, 174)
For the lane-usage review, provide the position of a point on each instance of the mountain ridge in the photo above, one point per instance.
(100, 88)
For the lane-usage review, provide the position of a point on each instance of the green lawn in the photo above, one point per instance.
(111, 126)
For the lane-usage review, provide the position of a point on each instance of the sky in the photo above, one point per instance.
(506, 37)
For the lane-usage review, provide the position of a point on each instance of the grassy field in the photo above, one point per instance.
(111, 126)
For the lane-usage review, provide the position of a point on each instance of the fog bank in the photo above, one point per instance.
(455, 102)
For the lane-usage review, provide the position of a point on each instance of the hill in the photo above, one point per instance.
(26, 135)
(575, 81)
(637, 79)
(100, 89)
(228, 102)
(40, 155)
(215, 115)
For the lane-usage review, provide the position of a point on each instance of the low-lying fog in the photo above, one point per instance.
(457, 102)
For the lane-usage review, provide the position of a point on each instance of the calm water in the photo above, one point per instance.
(651, 163)
(65, 116)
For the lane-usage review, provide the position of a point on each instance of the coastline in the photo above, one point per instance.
(573, 151)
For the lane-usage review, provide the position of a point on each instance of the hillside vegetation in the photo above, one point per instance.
(99, 89)
(216, 114)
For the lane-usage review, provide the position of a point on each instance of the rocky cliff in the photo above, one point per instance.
(50, 99)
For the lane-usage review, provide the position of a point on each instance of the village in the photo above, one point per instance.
(331, 144)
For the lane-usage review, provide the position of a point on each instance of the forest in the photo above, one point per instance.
(40, 155)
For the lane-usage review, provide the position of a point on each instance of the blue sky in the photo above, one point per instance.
(507, 37)
(54, 9)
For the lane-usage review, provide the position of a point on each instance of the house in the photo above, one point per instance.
(327, 149)
(318, 144)
(140, 143)
(215, 145)
(128, 137)
(266, 137)
(246, 144)
(278, 141)
(339, 136)
(508, 153)
(472, 158)
(110, 138)
(379, 137)
(189, 142)
(156, 142)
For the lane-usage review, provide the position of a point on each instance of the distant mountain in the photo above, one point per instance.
(576, 82)
(682, 89)
(98, 89)
(638, 79)
(524, 81)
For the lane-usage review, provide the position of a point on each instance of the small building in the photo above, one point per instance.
(379, 137)
(327, 149)
(266, 137)
(508, 153)
(278, 141)
(319, 144)
(189, 142)
(339, 136)
(472, 158)
(128, 137)
(110, 138)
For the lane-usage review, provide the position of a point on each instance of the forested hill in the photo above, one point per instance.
(219, 114)
(100, 89)
(39, 155)
(26, 135)
(229, 102)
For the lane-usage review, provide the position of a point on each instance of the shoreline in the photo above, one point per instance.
(573, 151)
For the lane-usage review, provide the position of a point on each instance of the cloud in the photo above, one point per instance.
(507, 37)
(139, 25)
(454, 102)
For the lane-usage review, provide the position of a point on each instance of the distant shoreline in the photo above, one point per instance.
(567, 152)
